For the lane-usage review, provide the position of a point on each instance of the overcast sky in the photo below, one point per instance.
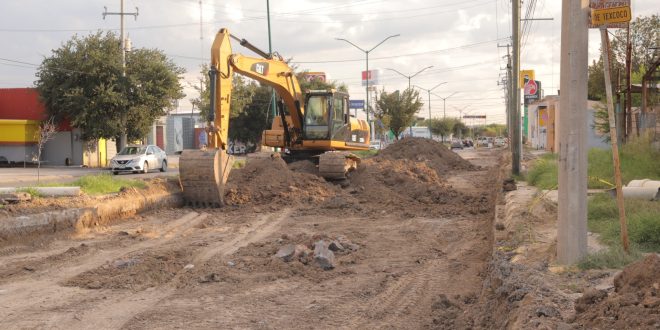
(458, 38)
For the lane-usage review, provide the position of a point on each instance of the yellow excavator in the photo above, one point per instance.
(317, 127)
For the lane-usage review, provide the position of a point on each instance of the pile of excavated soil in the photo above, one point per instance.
(433, 153)
(407, 177)
(635, 304)
(269, 180)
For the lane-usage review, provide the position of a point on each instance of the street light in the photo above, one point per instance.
(460, 118)
(444, 103)
(410, 77)
(366, 52)
(429, 91)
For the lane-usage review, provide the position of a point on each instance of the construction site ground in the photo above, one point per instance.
(419, 250)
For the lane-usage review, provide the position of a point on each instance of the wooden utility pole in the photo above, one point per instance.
(605, 46)
(516, 136)
(572, 206)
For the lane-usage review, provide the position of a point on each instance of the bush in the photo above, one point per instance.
(105, 184)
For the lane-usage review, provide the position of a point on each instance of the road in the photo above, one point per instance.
(21, 177)
(215, 268)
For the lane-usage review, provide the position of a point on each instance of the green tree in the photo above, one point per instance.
(243, 90)
(82, 81)
(644, 37)
(601, 121)
(442, 126)
(460, 128)
(397, 110)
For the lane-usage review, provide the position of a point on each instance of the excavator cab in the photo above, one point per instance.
(324, 114)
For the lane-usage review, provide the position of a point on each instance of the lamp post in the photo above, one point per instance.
(410, 77)
(429, 92)
(460, 112)
(444, 103)
(366, 52)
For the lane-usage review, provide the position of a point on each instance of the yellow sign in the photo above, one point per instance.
(524, 76)
(610, 15)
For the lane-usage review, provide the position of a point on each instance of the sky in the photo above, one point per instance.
(459, 38)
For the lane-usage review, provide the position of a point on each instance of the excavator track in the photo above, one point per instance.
(334, 165)
(203, 174)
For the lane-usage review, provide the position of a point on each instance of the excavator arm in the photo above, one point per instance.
(203, 173)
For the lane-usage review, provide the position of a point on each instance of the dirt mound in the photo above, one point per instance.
(269, 180)
(635, 304)
(433, 153)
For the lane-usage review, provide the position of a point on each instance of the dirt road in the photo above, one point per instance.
(418, 244)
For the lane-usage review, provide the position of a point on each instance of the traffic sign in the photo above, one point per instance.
(356, 104)
(610, 15)
(607, 4)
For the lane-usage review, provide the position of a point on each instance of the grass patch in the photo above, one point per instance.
(365, 153)
(105, 184)
(30, 190)
(642, 218)
(639, 160)
(613, 257)
(543, 174)
(240, 163)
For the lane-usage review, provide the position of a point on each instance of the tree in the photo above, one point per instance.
(601, 121)
(644, 38)
(82, 81)
(397, 110)
(442, 126)
(45, 132)
(460, 128)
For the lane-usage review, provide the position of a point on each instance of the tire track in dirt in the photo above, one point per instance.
(42, 289)
(116, 311)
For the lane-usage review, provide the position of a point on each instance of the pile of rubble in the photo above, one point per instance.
(321, 254)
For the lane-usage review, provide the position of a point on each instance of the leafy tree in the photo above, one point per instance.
(248, 125)
(243, 90)
(460, 128)
(644, 37)
(45, 132)
(83, 82)
(601, 121)
(397, 110)
(442, 126)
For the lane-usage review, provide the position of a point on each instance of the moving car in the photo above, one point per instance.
(139, 158)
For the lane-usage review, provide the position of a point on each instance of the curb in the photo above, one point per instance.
(79, 219)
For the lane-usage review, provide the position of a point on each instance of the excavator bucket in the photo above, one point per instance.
(203, 174)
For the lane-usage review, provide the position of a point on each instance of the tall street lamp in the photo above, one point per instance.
(366, 52)
(410, 77)
(429, 92)
(444, 103)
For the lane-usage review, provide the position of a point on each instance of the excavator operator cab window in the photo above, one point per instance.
(317, 116)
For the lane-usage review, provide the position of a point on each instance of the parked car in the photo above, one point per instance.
(499, 141)
(456, 144)
(482, 141)
(468, 143)
(139, 158)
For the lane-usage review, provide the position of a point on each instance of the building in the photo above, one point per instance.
(543, 125)
(21, 112)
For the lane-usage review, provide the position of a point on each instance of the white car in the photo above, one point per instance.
(139, 158)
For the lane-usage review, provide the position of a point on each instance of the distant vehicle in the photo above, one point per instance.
(468, 143)
(456, 144)
(499, 141)
(482, 141)
(375, 145)
(139, 158)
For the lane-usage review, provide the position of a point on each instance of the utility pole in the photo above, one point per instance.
(444, 103)
(572, 206)
(429, 92)
(516, 136)
(509, 96)
(123, 139)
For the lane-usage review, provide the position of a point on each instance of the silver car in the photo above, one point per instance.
(139, 158)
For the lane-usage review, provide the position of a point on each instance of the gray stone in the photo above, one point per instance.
(286, 252)
(335, 246)
(15, 197)
(323, 256)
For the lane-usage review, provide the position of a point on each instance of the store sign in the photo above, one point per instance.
(356, 104)
(532, 91)
(372, 76)
(525, 76)
(312, 76)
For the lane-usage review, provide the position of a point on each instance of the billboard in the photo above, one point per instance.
(525, 75)
(373, 76)
(311, 76)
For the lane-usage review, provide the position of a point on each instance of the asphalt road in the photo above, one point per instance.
(21, 177)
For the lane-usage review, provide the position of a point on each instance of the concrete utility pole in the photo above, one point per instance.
(572, 119)
(123, 139)
(516, 136)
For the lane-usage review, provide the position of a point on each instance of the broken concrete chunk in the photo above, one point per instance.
(286, 252)
(323, 256)
(15, 197)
